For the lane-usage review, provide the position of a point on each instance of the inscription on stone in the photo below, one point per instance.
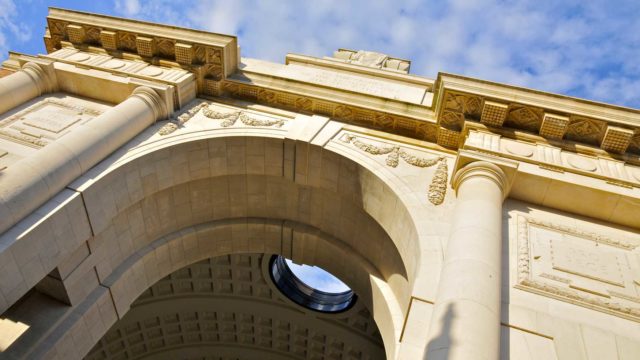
(356, 83)
(578, 266)
(52, 118)
(600, 266)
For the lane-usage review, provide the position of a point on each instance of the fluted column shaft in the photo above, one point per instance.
(27, 184)
(466, 317)
(23, 85)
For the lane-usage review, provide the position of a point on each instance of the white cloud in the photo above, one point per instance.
(12, 29)
(586, 49)
(128, 7)
(317, 278)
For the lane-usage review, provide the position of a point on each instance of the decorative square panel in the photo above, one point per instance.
(448, 138)
(145, 46)
(75, 33)
(554, 126)
(493, 113)
(616, 139)
(583, 268)
(184, 53)
(211, 87)
(109, 39)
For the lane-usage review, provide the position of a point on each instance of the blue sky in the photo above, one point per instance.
(588, 49)
(317, 278)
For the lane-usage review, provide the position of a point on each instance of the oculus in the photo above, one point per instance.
(310, 286)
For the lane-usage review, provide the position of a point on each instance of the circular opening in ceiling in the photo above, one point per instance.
(311, 286)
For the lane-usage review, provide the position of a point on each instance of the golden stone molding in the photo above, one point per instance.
(613, 129)
(575, 295)
(211, 57)
(553, 158)
(438, 186)
(355, 115)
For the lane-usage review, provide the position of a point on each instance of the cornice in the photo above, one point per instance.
(211, 57)
(613, 129)
(573, 124)
(381, 116)
(404, 78)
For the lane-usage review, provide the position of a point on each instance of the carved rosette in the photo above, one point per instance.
(585, 130)
(438, 186)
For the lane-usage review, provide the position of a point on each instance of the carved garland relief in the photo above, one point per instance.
(437, 187)
(228, 119)
(579, 267)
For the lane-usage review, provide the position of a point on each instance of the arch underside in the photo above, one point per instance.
(227, 307)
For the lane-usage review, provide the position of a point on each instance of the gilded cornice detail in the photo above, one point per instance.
(355, 115)
(209, 56)
(438, 186)
(613, 129)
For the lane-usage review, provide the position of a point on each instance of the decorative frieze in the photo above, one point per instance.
(347, 113)
(204, 57)
(585, 130)
(438, 186)
(556, 119)
(524, 117)
(228, 119)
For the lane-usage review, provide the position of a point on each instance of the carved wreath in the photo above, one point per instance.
(438, 186)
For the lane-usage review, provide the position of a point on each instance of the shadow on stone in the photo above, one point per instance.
(438, 347)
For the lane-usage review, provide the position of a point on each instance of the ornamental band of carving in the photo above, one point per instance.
(229, 119)
(437, 187)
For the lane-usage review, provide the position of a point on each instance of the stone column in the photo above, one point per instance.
(30, 182)
(465, 323)
(23, 85)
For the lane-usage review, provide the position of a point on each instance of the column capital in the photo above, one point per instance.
(480, 169)
(155, 102)
(43, 78)
(470, 164)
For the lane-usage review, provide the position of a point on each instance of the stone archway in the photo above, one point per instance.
(157, 210)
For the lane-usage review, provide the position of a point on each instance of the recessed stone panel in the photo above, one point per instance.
(577, 266)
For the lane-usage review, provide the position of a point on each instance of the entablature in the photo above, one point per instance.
(598, 187)
(211, 57)
(613, 129)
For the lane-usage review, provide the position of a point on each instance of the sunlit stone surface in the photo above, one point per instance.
(148, 174)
